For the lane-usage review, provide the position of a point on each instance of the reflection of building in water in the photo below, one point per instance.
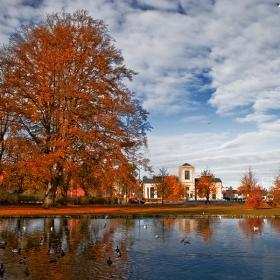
(187, 226)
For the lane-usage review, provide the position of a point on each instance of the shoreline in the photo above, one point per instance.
(137, 211)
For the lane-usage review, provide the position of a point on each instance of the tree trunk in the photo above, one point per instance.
(207, 200)
(50, 195)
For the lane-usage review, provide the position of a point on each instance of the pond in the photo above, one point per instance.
(151, 248)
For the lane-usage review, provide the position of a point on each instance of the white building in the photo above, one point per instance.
(187, 178)
(186, 174)
(149, 187)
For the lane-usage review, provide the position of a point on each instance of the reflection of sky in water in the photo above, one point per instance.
(215, 248)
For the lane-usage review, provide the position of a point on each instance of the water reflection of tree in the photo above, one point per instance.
(87, 242)
(204, 229)
(275, 224)
(164, 226)
(251, 226)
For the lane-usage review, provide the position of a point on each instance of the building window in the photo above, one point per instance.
(152, 190)
(213, 196)
(187, 175)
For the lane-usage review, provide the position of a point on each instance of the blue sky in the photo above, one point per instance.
(208, 74)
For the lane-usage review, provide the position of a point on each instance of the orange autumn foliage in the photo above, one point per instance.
(254, 199)
(205, 185)
(73, 117)
(176, 189)
(273, 197)
(169, 187)
(248, 182)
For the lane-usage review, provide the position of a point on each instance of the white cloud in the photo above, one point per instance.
(195, 58)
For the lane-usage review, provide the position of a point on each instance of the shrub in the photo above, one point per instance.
(97, 200)
(8, 199)
(63, 201)
(31, 198)
(111, 200)
(83, 200)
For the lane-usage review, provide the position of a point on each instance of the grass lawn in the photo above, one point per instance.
(226, 210)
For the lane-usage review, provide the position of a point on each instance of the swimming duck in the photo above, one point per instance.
(109, 262)
(119, 254)
(117, 249)
(27, 271)
(145, 226)
(52, 251)
(23, 261)
(157, 236)
(17, 251)
(3, 244)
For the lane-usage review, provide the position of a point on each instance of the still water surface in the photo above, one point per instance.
(155, 248)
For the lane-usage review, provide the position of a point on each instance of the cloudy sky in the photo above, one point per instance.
(209, 74)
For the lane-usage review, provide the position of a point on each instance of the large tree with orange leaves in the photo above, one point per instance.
(63, 79)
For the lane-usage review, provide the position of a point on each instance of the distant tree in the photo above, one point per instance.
(254, 198)
(177, 189)
(63, 81)
(163, 187)
(273, 196)
(229, 192)
(124, 180)
(206, 185)
(170, 187)
(248, 182)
